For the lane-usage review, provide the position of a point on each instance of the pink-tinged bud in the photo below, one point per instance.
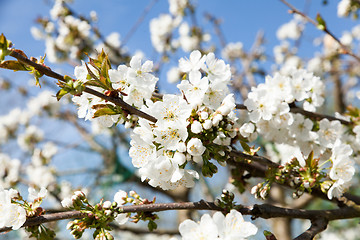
(80, 194)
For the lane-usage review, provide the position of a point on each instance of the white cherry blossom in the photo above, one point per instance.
(233, 226)
(195, 147)
(206, 229)
(194, 62)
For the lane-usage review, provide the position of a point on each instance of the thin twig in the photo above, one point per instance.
(216, 24)
(345, 49)
(48, 72)
(139, 21)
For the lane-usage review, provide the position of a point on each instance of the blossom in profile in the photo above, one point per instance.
(231, 226)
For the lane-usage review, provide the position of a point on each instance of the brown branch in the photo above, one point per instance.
(201, 205)
(265, 211)
(48, 72)
(312, 115)
(144, 230)
(317, 226)
(318, 116)
(345, 50)
(259, 159)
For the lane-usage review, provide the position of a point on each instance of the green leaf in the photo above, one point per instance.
(104, 111)
(245, 146)
(321, 22)
(13, 65)
(61, 93)
(93, 83)
(269, 235)
(152, 225)
(309, 160)
(91, 73)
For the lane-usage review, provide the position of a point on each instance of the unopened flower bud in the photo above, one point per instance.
(79, 194)
(179, 158)
(204, 115)
(181, 147)
(106, 205)
(128, 125)
(69, 225)
(207, 124)
(196, 127)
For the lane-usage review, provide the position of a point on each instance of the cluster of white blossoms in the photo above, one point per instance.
(136, 83)
(68, 36)
(9, 171)
(218, 226)
(193, 127)
(344, 8)
(78, 201)
(299, 86)
(270, 117)
(233, 51)
(292, 29)
(13, 213)
(40, 172)
(16, 127)
(11, 122)
(162, 30)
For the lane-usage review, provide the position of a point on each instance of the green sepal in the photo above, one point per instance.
(245, 146)
(37, 75)
(94, 83)
(4, 47)
(325, 186)
(309, 160)
(269, 235)
(74, 87)
(62, 92)
(105, 109)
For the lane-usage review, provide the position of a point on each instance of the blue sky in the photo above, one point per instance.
(242, 19)
(241, 22)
